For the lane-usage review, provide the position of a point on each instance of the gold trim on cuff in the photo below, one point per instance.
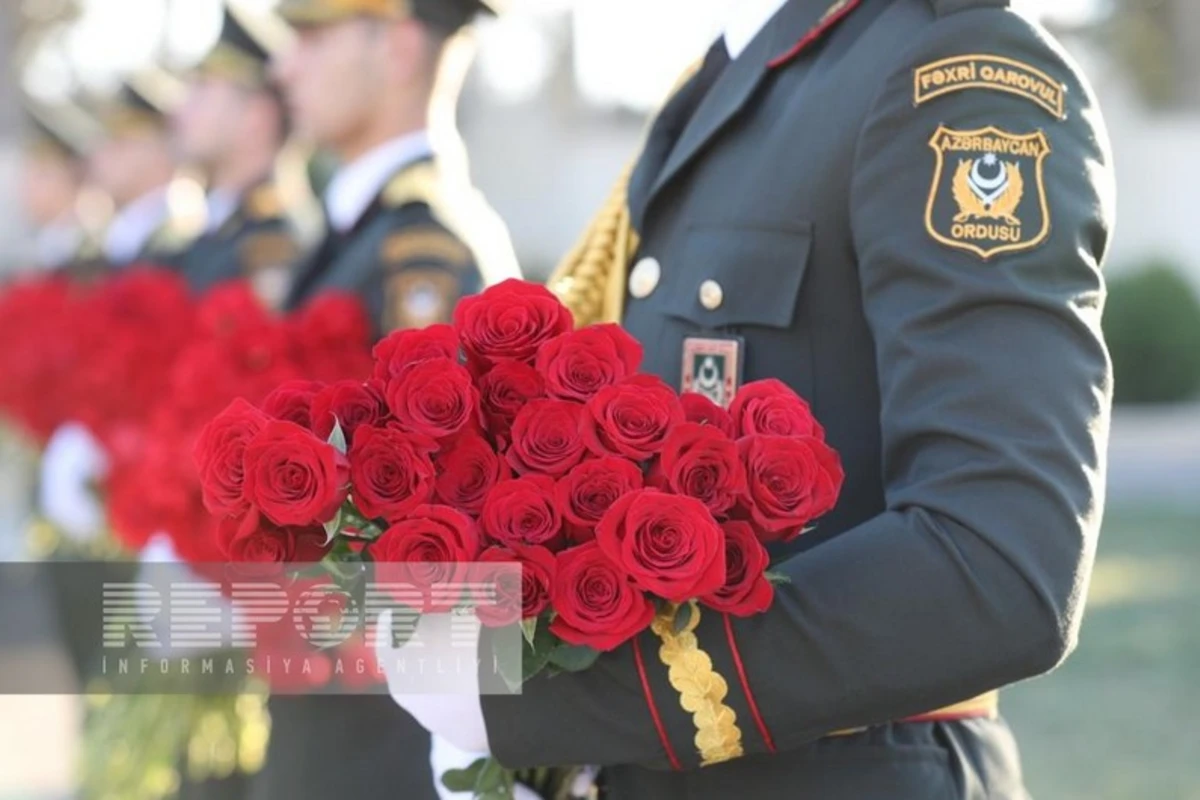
(701, 688)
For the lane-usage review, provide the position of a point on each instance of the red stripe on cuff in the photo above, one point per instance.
(658, 723)
(741, 671)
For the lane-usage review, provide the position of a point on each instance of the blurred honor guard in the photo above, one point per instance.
(52, 179)
(135, 166)
(899, 208)
(410, 240)
(405, 233)
(232, 125)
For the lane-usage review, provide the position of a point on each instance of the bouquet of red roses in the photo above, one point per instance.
(510, 437)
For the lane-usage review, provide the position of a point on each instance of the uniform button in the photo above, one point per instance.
(644, 278)
(711, 295)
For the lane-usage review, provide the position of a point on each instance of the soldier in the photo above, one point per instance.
(52, 178)
(900, 209)
(404, 233)
(232, 125)
(135, 166)
(410, 239)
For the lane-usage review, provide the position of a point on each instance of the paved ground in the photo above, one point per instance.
(1088, 731)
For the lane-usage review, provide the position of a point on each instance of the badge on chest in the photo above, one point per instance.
(712, 366)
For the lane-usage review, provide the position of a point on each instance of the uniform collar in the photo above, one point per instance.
(134, 225)
(745, 19)
(357, 184)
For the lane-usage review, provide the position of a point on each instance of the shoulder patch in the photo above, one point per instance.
(427, 243)
(264, 202)
(266, 250)
(989, 72)
(988, 194)
(416, 298)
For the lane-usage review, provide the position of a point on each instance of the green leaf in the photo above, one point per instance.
(332, 527)
(683, 616)
(338, 437)
(493, 776)
(463, 780)
(574, 658)
(529, 629)
(778, 578)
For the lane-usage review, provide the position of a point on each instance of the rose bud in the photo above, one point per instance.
(790, 482)
(631, 419)
(467, 469)
(434, 398)
(522, 576)
(293, 477)
(702, 462)
(746, 591)
(426, 555)
(587, 492)
(292, 401)
(391, 472)
(576, 365)
(522, 512)
(771, 407)
(350, 404)
(596, 603)
(401, 349)
(220, 457)
(698, 408)
(510, 320)
(546, 438)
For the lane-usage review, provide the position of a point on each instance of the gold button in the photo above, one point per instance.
(711, 295)
(643, 280)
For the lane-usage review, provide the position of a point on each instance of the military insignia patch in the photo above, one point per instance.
(989, 72)
(712, 367)
(417, 298)
(988, 194)
(424, 244)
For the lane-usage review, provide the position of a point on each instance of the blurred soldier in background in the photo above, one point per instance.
(52, 178)
(135, 166)
(410, 240)
(406, 231)
(232, 126)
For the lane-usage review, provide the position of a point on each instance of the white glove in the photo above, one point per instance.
(454, 711)
(71, 465)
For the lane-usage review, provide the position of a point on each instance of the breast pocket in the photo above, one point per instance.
(732, 276)
(746, 283)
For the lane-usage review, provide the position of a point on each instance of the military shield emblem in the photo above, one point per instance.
(712, 367)
(988, 194)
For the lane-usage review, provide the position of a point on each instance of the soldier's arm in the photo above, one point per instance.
(995, 388)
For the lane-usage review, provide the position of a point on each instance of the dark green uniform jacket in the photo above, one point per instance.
(902, 211)
(257, 243)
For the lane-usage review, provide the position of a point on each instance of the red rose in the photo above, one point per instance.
(546, 438)
(746, 591)
(598, 606)
(332, 319)
(293, 477)
(669, 545)
(391, 472)
(434, 398)
(401, 349)
(698, 408)
(219, 456)
(504, 390)
(631, 419)
(522, 511)
(510, 320)
(702, 462)
(791, 481)
(430, 549)
(522, 583)
(351, 404)
(585, 493)
(771, 407)
(576, 365)
(255, 539)
(468, 468)
(229, 307)
(293, 401)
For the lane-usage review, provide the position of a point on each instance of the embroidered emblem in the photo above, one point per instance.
(417, 298)
(988, 194)
(712, 367)
(989, 72)
(424, 244)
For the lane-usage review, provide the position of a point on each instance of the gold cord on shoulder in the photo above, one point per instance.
(701, 688)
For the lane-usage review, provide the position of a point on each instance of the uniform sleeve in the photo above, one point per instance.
(995, 393)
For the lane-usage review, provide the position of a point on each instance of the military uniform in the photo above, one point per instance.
(423, 241)
(256, 238)
(899, 208)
